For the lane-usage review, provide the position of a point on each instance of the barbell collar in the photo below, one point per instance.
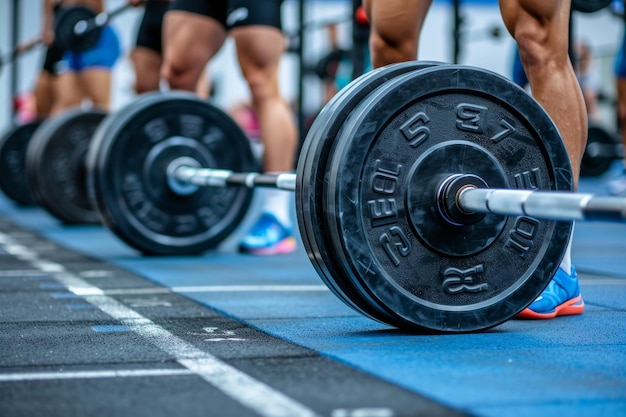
(542, 204)
(209, 177)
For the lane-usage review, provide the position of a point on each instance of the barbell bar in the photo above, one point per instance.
(542, 205)
(207, 177)
(20, 49)
(396, 188)
(469, 199)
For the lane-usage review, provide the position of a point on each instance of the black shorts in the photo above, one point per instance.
(236, 13)
(53, 55)
(149, 32)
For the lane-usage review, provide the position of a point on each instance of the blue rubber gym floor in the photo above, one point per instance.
(89, 327)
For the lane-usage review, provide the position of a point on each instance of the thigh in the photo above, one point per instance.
(544, 20)
(190, 39)
(397, 21)
(67, 92)
(96, 85)
(257, 33)
(259, 47)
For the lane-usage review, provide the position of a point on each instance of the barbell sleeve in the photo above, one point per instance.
(220, 177)
(542, 204)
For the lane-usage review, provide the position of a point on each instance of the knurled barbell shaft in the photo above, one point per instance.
(219, 178)
(549, 205)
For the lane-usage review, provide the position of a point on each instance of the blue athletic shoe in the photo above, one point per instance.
(560, 298)
(268, 237)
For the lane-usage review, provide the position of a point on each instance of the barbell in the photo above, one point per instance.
(76, 28)
(54, 164)
(429, 197)
(13, 146)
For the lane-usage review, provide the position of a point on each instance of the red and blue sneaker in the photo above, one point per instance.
(268, 237)
(560, 298)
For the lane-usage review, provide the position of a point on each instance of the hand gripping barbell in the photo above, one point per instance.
(429, 197)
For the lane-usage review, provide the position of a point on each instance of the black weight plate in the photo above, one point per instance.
(55, 165)
(590, 6)
(65, 20)
(127, 167)
(13, 146)
(439, 121)
(311, 173)
(596, 161)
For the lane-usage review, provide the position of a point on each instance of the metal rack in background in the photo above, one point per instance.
(14, 41)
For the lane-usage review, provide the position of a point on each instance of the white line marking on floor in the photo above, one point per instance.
(602, 281)
(120, 373)
(206, 288)
(241, 387)
(35, 272)
(21, 273)
(250, 288)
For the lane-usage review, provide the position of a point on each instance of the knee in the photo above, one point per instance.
(262, 86)
(538, 50)
(378, 45)
(173, 74)
(179, 73)
(144, 86)
(531, 49)
(388, 49)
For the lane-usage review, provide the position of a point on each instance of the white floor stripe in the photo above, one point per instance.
(198, 289)
(21, 273)
(121, 373)
(602, 281)
(254, 394)
(251, 288)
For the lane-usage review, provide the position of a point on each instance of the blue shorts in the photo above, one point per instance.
(103, 55)
(620, 61)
